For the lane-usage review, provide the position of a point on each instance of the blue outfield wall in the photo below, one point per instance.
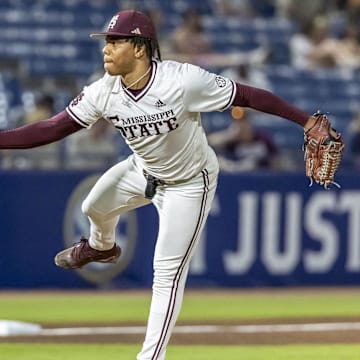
(265, 229)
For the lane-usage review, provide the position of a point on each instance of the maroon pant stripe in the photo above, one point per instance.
(175, 285)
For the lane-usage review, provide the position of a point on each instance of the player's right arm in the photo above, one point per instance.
(39, 133)
(81, 113)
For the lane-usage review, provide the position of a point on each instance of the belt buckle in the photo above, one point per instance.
(151, 185)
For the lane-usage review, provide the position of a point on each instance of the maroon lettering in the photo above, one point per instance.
(142, 126)
(143, 130)
(77, 99)
(130, 129)
(171, 123)
(116, 118)
(155, 125)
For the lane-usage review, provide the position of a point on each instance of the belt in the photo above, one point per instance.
(152, 183)
(165, 182)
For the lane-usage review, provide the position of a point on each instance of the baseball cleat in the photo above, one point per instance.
(81, 254)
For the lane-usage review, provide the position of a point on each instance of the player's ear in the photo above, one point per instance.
(139, 51)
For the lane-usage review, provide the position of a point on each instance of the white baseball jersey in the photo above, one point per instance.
(162, 123)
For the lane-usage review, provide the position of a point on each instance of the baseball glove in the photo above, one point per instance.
(324, 149)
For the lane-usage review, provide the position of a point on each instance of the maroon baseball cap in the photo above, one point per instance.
(129, 23)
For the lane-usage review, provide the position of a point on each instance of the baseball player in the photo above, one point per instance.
(155, 105)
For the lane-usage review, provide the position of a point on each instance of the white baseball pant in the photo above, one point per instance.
(182, 209)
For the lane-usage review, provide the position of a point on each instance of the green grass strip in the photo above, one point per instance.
(263, 306)
(124, 306)
(128, 352)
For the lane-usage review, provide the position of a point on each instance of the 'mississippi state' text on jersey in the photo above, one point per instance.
(161, 123)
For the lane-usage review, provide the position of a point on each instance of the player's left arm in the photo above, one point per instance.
(267, 102)
(323, 145)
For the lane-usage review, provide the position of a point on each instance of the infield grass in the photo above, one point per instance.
(112, 307)
(128, 352)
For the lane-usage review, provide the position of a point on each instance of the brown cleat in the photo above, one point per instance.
(81, 254)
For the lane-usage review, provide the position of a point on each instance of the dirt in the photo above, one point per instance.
(226, 337)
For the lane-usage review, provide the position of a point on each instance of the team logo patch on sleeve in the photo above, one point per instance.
(220, 81)
(77, 99)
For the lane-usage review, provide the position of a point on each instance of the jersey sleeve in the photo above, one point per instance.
(88, 106)
(205, 91)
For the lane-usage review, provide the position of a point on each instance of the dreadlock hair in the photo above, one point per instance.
(151, 46)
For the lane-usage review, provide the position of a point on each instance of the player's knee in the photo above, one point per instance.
(165, 272)
(88, 209)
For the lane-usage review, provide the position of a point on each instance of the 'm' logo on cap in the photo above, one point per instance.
(136, 31)
(113, 22)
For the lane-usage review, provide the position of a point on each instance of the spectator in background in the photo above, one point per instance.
(244, 8)
(304, 45)
(238, 8)
(302, 11)
(342, 51)
(44, 108)
(243, 147)
(92, 149)
(315, 48)
(248, 74)
(189, 38)
(346, 49)
(192, 44)
(156, 14)
(352, 12)
(44, 157)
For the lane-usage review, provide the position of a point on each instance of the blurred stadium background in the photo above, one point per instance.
(45, 49)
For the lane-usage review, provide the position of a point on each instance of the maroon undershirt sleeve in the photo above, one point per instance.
(40, 133)
(267, 102)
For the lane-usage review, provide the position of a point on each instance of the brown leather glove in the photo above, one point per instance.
(323, 148)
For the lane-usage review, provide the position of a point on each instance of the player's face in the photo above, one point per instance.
(119, 56)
